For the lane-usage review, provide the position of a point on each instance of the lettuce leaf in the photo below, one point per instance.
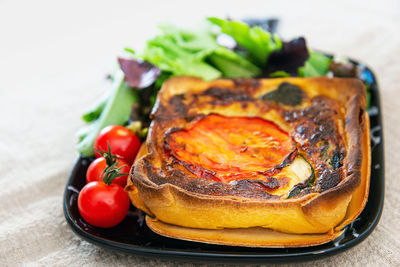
(200, 41)
(278, 74)
(117, 110)
(232, 64)
(316, 65)
(195, 53)
(258, 42)
(94, 112)
(165, 53)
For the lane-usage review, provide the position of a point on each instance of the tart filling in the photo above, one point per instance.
(226, 149)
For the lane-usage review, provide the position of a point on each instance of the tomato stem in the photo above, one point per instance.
(112, 161)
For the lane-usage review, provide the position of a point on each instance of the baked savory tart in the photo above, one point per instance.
(254, 162)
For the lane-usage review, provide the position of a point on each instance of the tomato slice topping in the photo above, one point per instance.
(224, 148)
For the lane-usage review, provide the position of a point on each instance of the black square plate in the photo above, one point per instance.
(133, 236)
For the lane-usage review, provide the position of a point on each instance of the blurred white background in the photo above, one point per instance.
(54, 56)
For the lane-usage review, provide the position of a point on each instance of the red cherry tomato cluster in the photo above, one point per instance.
(123, 142)
(103, 202)
(96, 169)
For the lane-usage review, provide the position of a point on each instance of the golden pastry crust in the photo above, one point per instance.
(174, 196)
(248, 237)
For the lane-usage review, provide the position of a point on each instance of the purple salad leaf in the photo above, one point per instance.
(139, 74)
(292, 56)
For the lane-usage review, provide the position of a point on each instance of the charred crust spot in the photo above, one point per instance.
(226, 95)
(305, 191)
(178, 105)
(328, 179)
(361, 116)
(323, 149)
(254, 188)
(336, 161)
(314, 123)
(247, 84)
(175, 105)
(272, 183)
(287, 94)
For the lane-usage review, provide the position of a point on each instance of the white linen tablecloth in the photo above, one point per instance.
(54, 56)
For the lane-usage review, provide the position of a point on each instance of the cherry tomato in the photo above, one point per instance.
(123, 142)
(103, 205)
(96, 168)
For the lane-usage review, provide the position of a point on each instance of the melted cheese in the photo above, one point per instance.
(297, 172)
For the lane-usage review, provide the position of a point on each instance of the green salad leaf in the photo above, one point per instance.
(199, 41)
(279, 74)
(168, 56)
(117, 110)
(195, 53)
(258, 42)
(181, 54)
(316, 65)
(233, 65)
(93, 113)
